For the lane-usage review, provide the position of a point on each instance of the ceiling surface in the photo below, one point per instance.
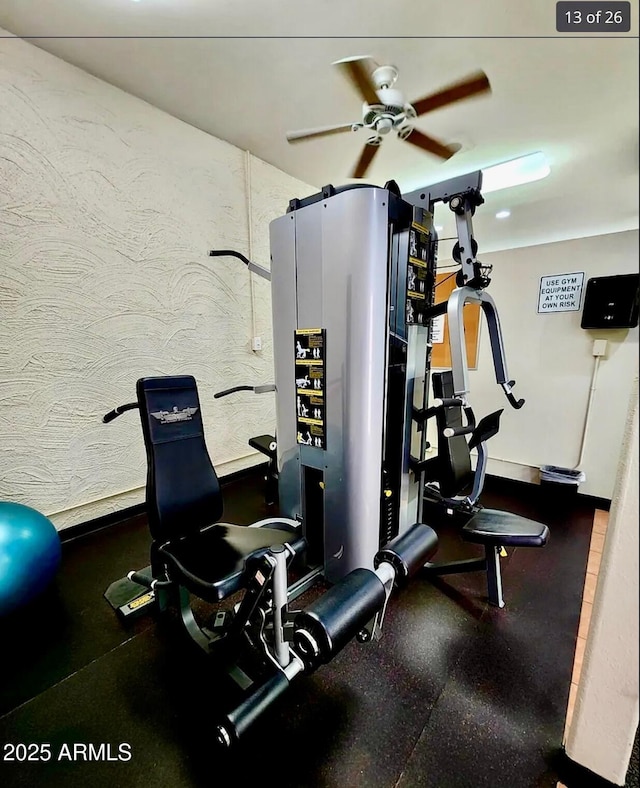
(248, 72)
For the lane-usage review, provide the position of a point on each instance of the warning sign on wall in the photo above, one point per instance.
(560, 292)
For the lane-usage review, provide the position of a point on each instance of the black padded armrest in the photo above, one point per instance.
(263, 443)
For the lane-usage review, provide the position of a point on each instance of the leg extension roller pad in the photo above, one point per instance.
(329, 623)
(323, 628)
(247, 712)
(409, 552)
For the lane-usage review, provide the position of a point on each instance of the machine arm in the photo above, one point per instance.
(113, 414)
(256, 390)
(462, 195)
(457, 300)
(265, 273)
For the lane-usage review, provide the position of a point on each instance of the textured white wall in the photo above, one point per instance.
(605, 718)
(550, 357)
(108, 208)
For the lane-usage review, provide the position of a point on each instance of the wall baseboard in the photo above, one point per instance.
(574, 775)
(507, 469)
(597, 503)
(503, 484)
(72, 532)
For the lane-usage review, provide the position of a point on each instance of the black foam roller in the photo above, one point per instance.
(339, 614)
(409, 551)
(252, 707)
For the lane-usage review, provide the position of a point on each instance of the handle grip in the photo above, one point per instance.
(515, 403)
(448, 402)
(229, 253)
(140, 579)
(450, 432)
(232, 390)
(113, 414)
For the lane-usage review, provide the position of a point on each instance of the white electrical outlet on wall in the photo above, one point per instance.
(599, 347)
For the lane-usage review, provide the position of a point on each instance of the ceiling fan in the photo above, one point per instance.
(385, 109)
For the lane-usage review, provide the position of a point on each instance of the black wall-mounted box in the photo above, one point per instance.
(611, 302)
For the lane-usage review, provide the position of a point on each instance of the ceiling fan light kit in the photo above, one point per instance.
(385, 109)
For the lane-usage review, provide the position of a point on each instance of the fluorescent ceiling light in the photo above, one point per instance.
(503, 214)
(515, 172)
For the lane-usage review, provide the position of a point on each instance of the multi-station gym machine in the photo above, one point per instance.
(353, 298)
(353, 278)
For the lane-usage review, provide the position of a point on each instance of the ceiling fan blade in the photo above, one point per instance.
(470, 86)
(323, 131)
(359, 75)
(431, 145)
(363, 163)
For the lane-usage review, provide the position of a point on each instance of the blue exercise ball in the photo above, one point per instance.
(30, 554)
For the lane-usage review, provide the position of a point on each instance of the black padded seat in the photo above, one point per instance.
(211, 562)
(498, 528)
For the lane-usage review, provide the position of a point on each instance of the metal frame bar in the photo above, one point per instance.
(494, 575)
(489, 564)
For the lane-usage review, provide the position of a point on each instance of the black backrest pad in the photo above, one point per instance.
(183, 491)
(456, 472)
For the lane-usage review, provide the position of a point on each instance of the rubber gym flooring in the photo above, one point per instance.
(455, 694)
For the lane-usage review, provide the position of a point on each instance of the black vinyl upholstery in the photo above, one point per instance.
(486, 428)
(183, 491)
(504, 529)
(184, 499)
(211, 564)
(263, 444)
(454, 469)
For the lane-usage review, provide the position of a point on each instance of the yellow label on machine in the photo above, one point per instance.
(141, 600)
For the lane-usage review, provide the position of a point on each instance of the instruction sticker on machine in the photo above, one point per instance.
(310, 392)
(560, 292)
(417, 272)
(437, 330)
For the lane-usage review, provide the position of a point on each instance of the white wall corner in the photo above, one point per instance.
(605, 718)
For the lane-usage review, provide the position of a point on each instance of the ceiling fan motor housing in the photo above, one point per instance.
(390, 97)
(391, 113)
